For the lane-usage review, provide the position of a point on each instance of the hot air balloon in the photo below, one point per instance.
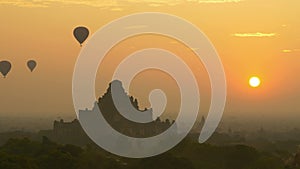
(81, 33)
(5, 67)
(31, 64)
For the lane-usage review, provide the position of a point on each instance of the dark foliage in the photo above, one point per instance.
(27, 154)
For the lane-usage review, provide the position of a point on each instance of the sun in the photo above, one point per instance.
(254, 81)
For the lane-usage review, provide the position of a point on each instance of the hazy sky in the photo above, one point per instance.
(253, 37)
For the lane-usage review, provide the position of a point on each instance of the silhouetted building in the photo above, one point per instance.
(67, 133)
(72, 132)
(122, 124)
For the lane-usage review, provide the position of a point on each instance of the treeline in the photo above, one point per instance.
(27, 154)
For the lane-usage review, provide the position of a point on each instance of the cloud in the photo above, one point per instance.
(286, 51)
(116, 9)
(21, 3)
(111, 4)
(257, 34)
(155, 5)
(49, 3)
(215, 1)
(290, 50)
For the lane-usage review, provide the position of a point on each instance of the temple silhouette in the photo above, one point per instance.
(72, 132)
(122, 124)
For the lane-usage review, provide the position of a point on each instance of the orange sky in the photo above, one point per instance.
(253, 37)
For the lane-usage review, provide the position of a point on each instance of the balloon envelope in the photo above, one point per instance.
(81, 33)
(31, 64)
(5, 67)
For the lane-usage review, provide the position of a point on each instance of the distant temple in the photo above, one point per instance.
(67, 133)
(72, 132)
(122, 124)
